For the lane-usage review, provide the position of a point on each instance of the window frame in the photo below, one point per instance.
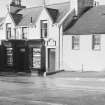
(96, 43)
(8, 31)
(44, 30)
(76, 42)
(9, 54)
(36, 59)
(24, 32)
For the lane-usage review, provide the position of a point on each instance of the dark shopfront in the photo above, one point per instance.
(23, 56)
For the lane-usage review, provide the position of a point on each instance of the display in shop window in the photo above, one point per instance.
(9, 56)
(36, 58)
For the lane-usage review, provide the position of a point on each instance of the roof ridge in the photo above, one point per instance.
(47, 5)
(58, 3)
(32, 7)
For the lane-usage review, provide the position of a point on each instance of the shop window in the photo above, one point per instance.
(36, 58)
(96, 44)
(44, 28)
(9, 56)
(76, 42)
(24, 32)
(8, 30)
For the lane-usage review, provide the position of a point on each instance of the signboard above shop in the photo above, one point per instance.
(51, 42)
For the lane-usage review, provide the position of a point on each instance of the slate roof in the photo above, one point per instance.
(91, 22)
(1, 19)
(17, 18)
(63, 9)
(69, 19)
(53, 13)
(56, 11)
(29, 13)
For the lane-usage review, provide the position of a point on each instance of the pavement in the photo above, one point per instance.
(79, 75)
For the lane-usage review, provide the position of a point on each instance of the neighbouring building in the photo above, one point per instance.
(49, 38)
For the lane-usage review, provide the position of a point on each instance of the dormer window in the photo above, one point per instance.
(44, 28)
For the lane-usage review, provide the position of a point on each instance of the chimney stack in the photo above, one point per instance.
(80, 5)
(15, 6)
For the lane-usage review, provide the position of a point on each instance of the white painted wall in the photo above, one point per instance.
(53, 33)
(2, 33)
(8, 19)
(84, 59)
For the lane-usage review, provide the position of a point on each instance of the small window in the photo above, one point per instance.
(9, 56)
(44, 28)
(76, 42)
(96, 45)
(24, 32)
(8, 30)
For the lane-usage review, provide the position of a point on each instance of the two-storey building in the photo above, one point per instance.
(65, 36)
(33, 37)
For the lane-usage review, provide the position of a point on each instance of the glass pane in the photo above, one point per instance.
(36, 57)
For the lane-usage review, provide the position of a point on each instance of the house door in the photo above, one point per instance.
(51, 60)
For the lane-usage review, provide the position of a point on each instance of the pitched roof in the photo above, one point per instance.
(91, 22)
(53, 13)
(1, 19)
(28, 14)
(63, 9)
(56, 11)
(17, 18)
(68, 20)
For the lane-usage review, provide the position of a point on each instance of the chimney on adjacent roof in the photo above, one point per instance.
(80, 5)
(15, 6)
(44, 3)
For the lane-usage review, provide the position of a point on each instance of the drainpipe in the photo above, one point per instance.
(59, 26)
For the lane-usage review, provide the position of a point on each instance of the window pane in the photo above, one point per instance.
(36, 58)
(44, 28)
(96, 42)
(24, 32)
(10, 56)
(8, 30)
(75, 42)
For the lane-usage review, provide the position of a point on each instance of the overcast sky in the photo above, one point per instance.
(30, 3)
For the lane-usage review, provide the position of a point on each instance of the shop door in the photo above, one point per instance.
(51, 60)
(21, 59)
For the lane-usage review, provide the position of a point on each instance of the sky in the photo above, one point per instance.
(31, 3)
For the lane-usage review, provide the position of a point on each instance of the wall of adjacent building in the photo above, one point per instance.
(84, 59)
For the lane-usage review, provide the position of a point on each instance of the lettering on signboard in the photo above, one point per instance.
(51, 42)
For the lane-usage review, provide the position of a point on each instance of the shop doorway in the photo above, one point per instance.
(51, 60)
(21, 59)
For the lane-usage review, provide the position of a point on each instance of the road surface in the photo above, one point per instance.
(51, 91)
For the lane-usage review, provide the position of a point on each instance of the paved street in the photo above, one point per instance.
(51, 91)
